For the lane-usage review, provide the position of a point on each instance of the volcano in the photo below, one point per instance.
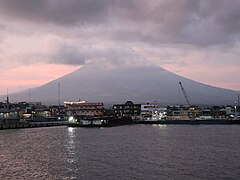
(111, 84)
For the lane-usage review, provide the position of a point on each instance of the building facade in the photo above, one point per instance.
(127, 110)
(83, 108)
(153, 112)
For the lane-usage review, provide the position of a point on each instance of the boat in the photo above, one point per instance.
(103, 121)
(86, 121)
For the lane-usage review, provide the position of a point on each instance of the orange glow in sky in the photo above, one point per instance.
(29, 76)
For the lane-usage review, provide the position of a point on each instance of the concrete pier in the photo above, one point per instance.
(33, 125)
(193, 122)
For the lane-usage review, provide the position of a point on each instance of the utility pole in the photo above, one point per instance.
(7, 97)
(8, 107)
(238, 99)
(29, 95)
(235, 107)
(59, 102)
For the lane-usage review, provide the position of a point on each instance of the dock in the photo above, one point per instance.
(33, 125)
(193, 122)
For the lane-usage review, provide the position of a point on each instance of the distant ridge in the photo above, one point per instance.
(98, 82)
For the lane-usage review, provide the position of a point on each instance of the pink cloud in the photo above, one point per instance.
(223, 76)
(24, 77)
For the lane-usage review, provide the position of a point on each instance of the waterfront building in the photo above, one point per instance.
(153, 112)
(84, 108)
(33, 110)
(57, 110)
(183, 112)
(8, 114)
(128, 109)
(216, 112)
(44, 112)
(228, 112)
(207, 113)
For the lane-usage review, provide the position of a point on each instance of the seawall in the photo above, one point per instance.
(33, 125)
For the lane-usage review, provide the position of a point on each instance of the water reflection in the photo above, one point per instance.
(71, 153)
(70, 142)
(162, 128)
(125, 152)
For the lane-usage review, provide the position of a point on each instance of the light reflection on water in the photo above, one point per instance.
(125, 152)
(71, 159)
(162, 127)
(70, 140)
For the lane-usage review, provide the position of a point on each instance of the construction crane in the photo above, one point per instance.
(191, 113)
(185, 94)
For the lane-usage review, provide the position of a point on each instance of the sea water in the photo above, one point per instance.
(123, 152)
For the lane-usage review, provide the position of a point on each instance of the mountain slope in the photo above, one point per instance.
(96, 82)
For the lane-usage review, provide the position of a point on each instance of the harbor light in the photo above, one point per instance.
(71, 119)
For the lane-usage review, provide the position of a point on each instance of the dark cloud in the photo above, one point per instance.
(116, 56)
(56, 11)
(179, 33)
(68, 55)
(2, 29)
(196, 22)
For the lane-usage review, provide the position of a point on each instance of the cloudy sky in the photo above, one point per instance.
(45, 39)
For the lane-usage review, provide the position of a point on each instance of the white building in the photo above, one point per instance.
(153, 112)
(85, 108)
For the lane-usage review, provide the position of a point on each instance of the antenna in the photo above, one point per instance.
(8, 107)
(7, 97)
(29, 95)
(59, 94)
(238, 99)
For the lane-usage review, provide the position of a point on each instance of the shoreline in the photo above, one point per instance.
(162, 122)
(194, 122)
(33, 125)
